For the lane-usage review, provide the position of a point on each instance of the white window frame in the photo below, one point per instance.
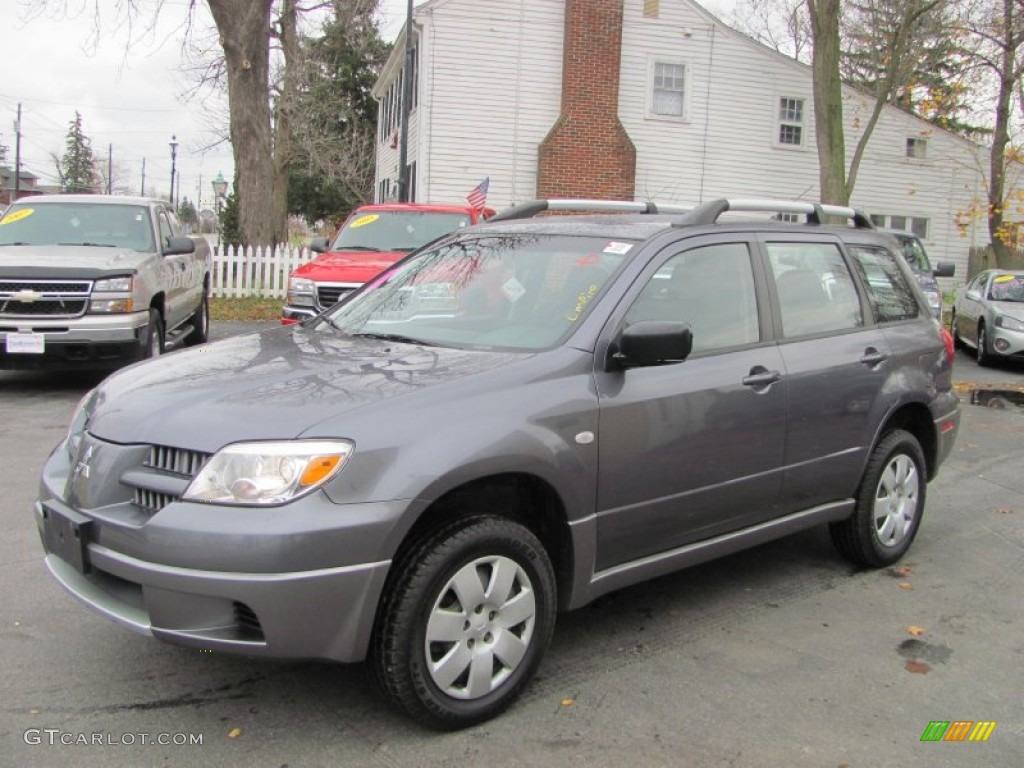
(652, 63)
(921, 148)
(778, 121)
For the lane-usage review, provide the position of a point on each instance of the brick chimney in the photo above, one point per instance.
(587, 152)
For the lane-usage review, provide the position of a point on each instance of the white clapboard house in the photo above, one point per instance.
(649, 100)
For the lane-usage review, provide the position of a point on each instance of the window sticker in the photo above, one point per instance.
(582, 299)
(17, 216)
(618, 248)
(362, 221)
(513, 290)
(1000, 279)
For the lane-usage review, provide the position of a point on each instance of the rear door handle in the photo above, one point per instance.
(873, 357)
(761, 378)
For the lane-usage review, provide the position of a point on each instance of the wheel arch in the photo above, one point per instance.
(916, 419)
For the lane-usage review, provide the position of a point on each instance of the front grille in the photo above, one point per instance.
(52, 298)
(329, 295)
(150, 492)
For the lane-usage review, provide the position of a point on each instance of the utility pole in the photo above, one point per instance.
(142, 189)
(110, 168)
(174, 155)
(17, 155)
(403, 150)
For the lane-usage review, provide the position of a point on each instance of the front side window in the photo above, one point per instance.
(791, 121)
(711, 289)
(511, 291)
(815, 289)
(668, 89)
(890, 294)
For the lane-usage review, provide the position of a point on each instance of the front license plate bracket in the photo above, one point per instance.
(67, 536)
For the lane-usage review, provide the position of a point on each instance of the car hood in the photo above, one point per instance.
(1012, 309)
(348, 266)
(276, 384)
(63, 259)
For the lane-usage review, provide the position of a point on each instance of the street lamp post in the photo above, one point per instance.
(174, 155)
(220, 188)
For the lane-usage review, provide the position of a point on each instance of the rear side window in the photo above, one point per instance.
(889, 292)
(815, 289)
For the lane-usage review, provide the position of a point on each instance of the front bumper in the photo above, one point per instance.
(88, 342)
(292, 314)
(300, 580)
(1007, 343)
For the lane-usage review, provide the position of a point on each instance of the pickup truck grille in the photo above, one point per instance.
(150, 493)
(329, 295)
(44, 298)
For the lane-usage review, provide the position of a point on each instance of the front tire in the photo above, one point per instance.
(955, 332)
(200, 323)
(154, 336)
(890, 502)
(463, 627)
(984, 356)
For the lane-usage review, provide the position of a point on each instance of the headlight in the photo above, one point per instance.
(301, 292)
(1009, 323)
(107, 306)
(934, 300)
(79, 422)
(112, 285)
(254, 474)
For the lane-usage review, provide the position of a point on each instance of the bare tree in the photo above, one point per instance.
(780, 24)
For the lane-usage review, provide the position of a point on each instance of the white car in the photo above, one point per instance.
(988, 315)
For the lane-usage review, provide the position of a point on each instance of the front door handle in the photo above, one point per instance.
(872, 357)
(761, 378)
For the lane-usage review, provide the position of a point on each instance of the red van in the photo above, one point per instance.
(373, 238)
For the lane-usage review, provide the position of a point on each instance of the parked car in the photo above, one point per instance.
(516, 420)
(916, 255)
(98, 281)
(988, 316)
(372, 239)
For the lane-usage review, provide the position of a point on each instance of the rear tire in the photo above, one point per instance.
(890, 502)
(463, 626)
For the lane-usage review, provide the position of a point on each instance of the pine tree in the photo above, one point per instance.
(77, 168)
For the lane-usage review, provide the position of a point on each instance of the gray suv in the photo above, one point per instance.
(511, 422)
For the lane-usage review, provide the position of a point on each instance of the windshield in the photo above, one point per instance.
(116, 226)
(1007, 288)
(396, 230)
(518, 292)
(914, 253)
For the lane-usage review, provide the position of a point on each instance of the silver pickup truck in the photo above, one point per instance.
(91, 281)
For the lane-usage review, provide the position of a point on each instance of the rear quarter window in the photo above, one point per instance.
(889, 293)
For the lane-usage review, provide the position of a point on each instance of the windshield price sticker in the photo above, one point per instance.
(26, 343)
(1005, 279)
(362, 221)
(17, 216)
(618, 248)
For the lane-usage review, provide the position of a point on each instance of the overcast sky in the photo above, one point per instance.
(130, 98)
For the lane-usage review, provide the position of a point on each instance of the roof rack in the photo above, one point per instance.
(708, 213)
(530, 209)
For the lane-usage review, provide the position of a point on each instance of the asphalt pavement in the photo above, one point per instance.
(783, 655)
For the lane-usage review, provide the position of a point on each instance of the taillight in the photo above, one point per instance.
(947, 339)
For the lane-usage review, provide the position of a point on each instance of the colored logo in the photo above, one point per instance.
(958, 730)
(17, 215)
(362, 221)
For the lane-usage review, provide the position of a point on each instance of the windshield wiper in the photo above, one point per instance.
(93, 245)
(357, 248)
(17, 243)
(391, 337)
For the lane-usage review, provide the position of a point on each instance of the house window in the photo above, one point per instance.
(877, 219)
(919, 226)
(791, 121)
(916, 224)
(917, 148)
(669, 89)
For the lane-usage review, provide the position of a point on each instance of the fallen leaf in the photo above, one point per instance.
(906, 585)
(33, 711)
(1001, 511)
(234, 733)
(568, 702)
(915, 631)
(903, 570)
(917, 667)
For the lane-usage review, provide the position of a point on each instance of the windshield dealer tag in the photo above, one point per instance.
(513, 289)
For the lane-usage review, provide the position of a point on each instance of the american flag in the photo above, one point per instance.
(478, 197)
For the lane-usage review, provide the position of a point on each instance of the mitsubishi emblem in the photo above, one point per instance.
(82, 467)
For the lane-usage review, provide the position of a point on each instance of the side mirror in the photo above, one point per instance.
(319, 245)
(652, 342)
(973, 295)
(178, 245)
(944, 269)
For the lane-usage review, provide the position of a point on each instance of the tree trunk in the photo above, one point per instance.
(828, 101)
(244, 28)
(283, 139)
(1001, 138)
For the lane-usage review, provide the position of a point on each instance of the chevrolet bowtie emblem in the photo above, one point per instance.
(27, 296)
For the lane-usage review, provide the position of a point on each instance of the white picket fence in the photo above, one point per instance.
(243, 272)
